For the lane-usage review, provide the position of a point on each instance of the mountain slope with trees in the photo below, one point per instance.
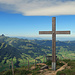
(8, 52)
(20, 50)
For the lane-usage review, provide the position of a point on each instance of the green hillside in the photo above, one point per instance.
(20, 50)
(7, 52)
(68, 69)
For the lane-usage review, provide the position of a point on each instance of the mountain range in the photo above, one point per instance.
(20, 50)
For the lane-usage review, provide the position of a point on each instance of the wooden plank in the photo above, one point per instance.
(12, 67)
(57, 32)
(53, 39)
(62, 32)
(45, 32)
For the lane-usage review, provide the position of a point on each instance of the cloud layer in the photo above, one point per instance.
(39, 7)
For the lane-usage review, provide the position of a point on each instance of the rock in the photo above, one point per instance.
(33, 67)
(41, 64)
(44, 67)
(41, 71)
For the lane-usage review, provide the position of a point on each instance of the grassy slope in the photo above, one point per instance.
(24, 70)
(70, 70)
(30, 50)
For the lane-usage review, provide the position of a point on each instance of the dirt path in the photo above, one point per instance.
(54, 72)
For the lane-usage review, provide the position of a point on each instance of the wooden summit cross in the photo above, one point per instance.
(54, 32)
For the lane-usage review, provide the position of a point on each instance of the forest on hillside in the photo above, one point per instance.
(20, 50)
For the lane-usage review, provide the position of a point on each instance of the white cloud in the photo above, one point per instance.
(39, 7)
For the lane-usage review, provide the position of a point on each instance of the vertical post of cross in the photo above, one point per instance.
(53, 43)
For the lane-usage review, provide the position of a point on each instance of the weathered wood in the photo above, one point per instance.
(53, 39)
(49, 58)
(35, 62)
(44, 59)
(45, 32)
(62, 32)
(57, 32)
(44, 67)
(12, 67)
(54, 32)
(28, 64)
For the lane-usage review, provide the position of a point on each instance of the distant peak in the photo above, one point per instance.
(2, 35)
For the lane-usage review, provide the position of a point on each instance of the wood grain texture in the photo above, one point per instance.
(57, 32)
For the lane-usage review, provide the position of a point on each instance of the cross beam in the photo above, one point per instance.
(54, 32)
(57, 32)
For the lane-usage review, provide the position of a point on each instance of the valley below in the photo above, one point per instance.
(23, 50)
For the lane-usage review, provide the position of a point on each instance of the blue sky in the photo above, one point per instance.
(27, 18)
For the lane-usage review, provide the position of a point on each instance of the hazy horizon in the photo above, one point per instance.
(44, 38)
(27, 18)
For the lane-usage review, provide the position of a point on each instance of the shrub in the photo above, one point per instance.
(24, 72)
(17, 72)
(9, 72)
(60, 64)
(66, 72)
(48, 62)
(72, 64)
(66, 60)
